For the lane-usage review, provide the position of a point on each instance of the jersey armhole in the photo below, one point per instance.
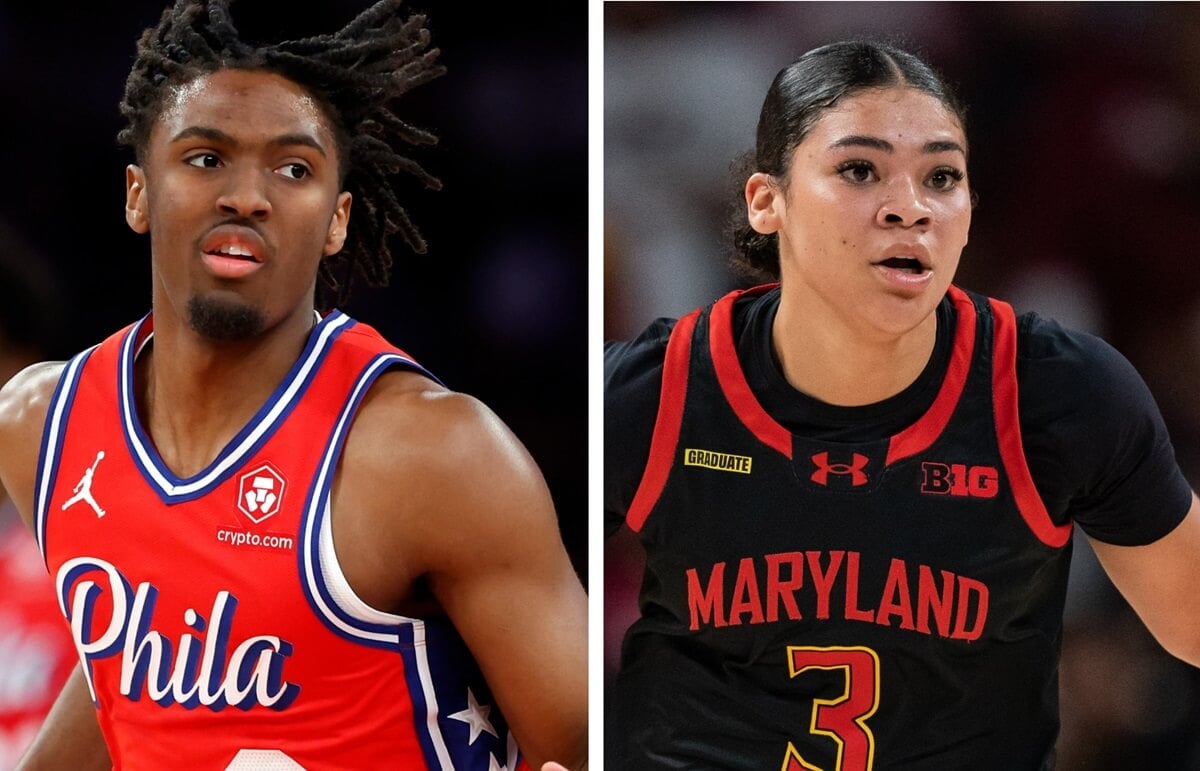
(666, 426)
(1008, 431)
(53, 432)
(329, 594)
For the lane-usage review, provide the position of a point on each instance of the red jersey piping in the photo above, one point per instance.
(666, 425)
(912, 440)
(920, 435)
(733, 380)
(1008, 431)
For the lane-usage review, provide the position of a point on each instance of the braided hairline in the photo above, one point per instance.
(353, 73)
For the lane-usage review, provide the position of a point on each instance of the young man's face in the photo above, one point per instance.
(239, 192)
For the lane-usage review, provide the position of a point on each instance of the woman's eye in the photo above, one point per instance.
(945, 179)
(294, 170)
(204, 161)
(857, 171)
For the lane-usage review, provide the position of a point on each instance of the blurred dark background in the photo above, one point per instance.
(496, 308)
(1083, 120)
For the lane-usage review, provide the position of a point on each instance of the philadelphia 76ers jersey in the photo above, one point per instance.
(215, 628)
(842, 606)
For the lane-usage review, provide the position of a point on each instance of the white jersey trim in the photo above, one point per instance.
(231, 456)
(349, 601)
(327, 573)
(52, 447)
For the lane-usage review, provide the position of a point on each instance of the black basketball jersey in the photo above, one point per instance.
(822, 605)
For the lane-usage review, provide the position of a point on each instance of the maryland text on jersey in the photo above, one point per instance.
(790, 586)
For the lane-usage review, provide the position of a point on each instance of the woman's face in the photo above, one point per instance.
(874, 212)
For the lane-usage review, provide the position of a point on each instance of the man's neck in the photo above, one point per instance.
(195, 394)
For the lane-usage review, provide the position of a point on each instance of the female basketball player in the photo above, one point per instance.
(857, 487)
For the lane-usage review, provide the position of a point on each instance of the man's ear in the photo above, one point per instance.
(137, 205)
(764, 203)
(335, 237)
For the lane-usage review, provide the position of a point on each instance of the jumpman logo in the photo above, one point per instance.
(83, 490)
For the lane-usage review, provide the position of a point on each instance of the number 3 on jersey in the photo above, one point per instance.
(843, 719)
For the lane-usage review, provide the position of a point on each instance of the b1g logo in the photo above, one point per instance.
(959, 480)
(260, 492)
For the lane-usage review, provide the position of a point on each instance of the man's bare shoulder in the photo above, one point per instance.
(436, 463)
(25, 398)
(408, 419)
(24, 401)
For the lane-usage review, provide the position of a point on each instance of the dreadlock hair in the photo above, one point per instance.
(353, 74)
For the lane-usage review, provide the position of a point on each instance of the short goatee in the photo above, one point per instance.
(221, 320)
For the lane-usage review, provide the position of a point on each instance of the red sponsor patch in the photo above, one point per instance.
(260, 492)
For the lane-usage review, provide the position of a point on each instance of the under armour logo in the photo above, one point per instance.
(260, 493)
(83, 490)
(854, 468)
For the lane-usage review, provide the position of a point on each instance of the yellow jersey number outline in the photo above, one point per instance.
(861, 666)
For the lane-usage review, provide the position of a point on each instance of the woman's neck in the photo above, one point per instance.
(824, 354)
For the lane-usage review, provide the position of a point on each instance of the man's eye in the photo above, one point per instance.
(204, 161)
(294, 170)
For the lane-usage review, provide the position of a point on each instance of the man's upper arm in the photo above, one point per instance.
(23, 403)
(485, 534)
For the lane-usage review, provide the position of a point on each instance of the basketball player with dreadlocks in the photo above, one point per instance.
(277, 540)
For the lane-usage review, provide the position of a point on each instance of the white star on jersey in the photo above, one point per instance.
(475, 715)
(494, 765)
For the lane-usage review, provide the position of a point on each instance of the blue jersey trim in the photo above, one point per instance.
(437, 660)
(397, 633)
(316, 508)
(420, 714)
(52, 442)
(260, 428)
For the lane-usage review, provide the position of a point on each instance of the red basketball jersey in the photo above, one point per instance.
(215, 626)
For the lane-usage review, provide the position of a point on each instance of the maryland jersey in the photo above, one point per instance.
(214, 624)
(828, 605)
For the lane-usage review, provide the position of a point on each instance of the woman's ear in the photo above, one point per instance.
(764, 203)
